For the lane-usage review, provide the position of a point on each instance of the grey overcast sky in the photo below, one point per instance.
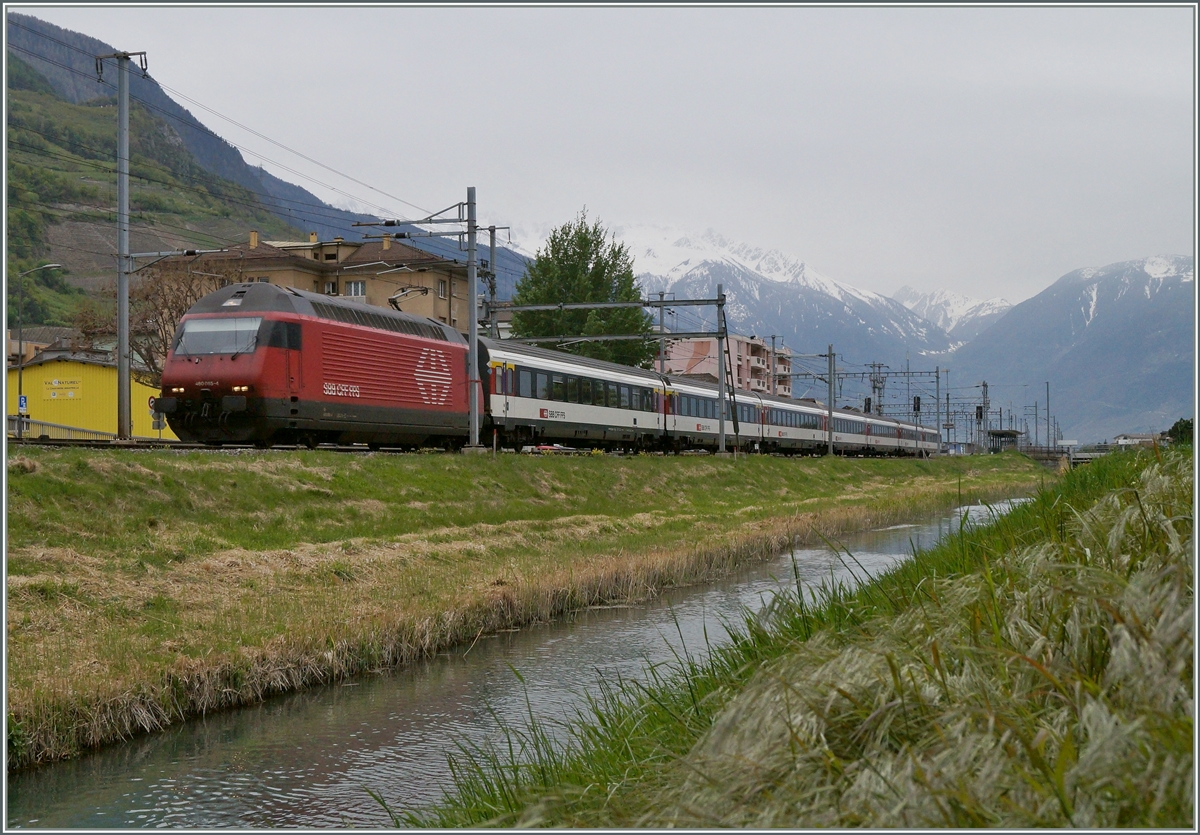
(985, 151)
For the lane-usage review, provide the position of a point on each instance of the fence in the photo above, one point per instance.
(41, 430)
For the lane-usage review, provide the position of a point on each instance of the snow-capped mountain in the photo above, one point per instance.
(769, 292)
(963, 317)
(1116, 344)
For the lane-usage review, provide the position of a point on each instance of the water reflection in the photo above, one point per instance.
(308, 759)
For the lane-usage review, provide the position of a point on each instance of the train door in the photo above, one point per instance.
(293, 360)
(502, 389)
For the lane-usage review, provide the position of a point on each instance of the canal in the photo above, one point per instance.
(310, 759)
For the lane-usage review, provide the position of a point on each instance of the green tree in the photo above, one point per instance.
(581, 262)
(1181, 432)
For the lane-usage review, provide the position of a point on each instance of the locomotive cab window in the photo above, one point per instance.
(217, 336)
(280, 335)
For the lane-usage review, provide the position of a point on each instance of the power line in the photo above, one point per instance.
(104, 168)
(109, 217)
(175, 185)
(235, 123)
(211, 180)
(197, 126)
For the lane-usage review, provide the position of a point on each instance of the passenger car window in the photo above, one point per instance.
(572, 389)
(543, 385)
(525, 382)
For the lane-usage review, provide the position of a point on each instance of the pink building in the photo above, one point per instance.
(751, 358)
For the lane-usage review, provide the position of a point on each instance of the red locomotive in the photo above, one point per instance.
(257, 363)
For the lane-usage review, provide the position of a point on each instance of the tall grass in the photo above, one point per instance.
(1033, 672)
(145, 588)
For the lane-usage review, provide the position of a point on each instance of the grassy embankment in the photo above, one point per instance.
(1034, 672)
(148, 587)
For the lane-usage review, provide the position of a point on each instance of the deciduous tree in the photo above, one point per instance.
(582, 262)
(158, 297)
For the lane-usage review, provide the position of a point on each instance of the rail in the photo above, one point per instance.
(42, 430)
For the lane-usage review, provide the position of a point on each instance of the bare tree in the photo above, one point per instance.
(158, 300)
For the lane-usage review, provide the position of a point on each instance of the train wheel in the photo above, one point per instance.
(309, 440)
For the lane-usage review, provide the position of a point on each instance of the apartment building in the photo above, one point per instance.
(381, 271)
(752, 362)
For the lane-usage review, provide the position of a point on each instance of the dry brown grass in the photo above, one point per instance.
(98, 654)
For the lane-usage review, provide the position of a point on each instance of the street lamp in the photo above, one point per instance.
(21, 338)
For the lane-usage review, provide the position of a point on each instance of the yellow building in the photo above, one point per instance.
(79, 390)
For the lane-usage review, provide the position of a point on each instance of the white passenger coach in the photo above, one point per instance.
(537, 396)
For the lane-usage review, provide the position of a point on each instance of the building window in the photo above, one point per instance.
(441, 288)
(330, 256)
(356, 288)
(331, 288)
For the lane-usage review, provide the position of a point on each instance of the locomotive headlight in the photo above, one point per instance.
(241, 388)
(177, 390)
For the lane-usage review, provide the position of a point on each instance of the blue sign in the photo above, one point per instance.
(23, 404)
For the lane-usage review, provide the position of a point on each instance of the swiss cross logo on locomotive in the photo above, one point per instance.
(433, 377)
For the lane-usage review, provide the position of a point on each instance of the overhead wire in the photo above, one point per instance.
(307, 214)
(197, 126)
(235, 123)
(175, 185)
(111, 217)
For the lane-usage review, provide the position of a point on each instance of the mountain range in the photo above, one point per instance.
(961, 317)
(1116, 342)
(768, 292)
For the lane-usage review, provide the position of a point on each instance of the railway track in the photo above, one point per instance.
(153, 444)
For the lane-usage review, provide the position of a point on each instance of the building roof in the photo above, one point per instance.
(297, 254)
(68, 355)
(42, 334)
(400, 255)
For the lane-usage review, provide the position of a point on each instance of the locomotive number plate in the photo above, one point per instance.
(340, 390)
